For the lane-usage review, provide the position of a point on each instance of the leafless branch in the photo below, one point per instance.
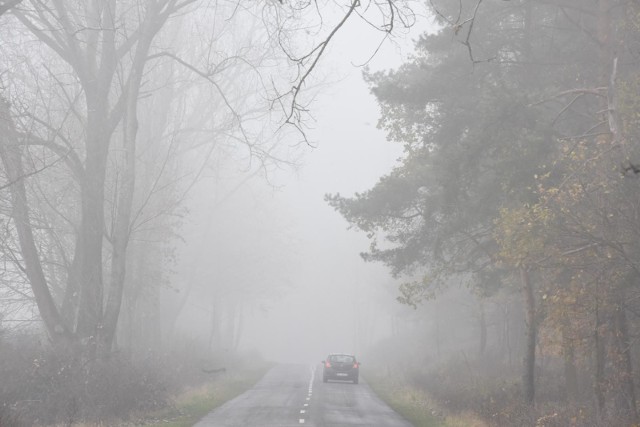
(578, 91)
(64, 153)
(209, 77)
(32, 173)
(316, 53)
(467, 41)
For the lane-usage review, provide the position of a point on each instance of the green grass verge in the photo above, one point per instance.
(415, 405)
(412, 404)
(193, 404)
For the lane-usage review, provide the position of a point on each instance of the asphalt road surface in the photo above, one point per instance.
(294, 395)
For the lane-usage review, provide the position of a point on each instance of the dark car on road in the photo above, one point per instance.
(343, 367)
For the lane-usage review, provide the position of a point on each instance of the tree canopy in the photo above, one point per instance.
(517, 126)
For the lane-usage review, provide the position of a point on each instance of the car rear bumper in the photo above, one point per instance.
(346, 376)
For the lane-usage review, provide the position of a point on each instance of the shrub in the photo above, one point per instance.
(41, 388)
(8, 417)
(460, 386)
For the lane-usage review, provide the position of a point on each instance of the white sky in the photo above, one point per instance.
(331, 282)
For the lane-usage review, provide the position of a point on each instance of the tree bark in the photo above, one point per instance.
(11, 156)
(214, 332)
(69, 308)
(95, 56)
(568, 354)
(90, 313)
(528, 378)
(599, 381)
(483, 329)
(122, 227)
(239, 329)
(626, 394)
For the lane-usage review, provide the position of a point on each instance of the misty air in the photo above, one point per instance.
(276, 213)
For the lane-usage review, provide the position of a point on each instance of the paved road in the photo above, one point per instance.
(294, 395)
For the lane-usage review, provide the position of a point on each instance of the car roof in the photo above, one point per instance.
(341, 354)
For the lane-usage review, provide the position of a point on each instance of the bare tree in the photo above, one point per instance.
(99, 54)
(97, 45)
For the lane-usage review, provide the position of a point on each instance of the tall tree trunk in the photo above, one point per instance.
(239, 327)
(599, 347)
(11, 156)
(436, 336)
(506, 333)
(626, 394)
(122, 227)
(69, 308)
(95, 56)
(214, 332)
(528, 377)
(230, 325)
(121, 233)
(568, 353)
(483, 329)
(90, 314)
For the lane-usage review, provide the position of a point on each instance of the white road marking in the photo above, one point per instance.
(303, 411)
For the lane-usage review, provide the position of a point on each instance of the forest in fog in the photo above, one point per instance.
(145, 249)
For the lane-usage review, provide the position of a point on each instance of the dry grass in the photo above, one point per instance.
(417, 406)
(190, 405)
(193, 403)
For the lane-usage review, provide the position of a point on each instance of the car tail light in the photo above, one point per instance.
(327, 364)
(355, 365)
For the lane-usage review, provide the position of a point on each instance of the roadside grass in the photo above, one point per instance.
(194, 403)
(415, 405)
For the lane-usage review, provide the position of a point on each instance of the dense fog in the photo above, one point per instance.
(201, 200)
(312, 293)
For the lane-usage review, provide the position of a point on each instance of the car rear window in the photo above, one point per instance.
(342, 359)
